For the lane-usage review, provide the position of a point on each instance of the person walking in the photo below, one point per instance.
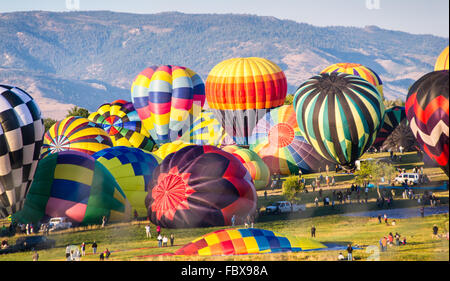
(94, 247)
(350, 252)
(147, 231)
(313, 231)
(103, 221)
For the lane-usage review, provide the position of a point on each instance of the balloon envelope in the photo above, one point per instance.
(133, 169)
(169, 148)
(77, 134)
(392, 118)
(200, 186)
(442, 61)
(339, 115)
(427, 110)
(241, 90)
(73, 184)
(21, 132)
(121, 121)
(167, 99)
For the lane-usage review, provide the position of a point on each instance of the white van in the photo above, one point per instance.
(58, 223)
(409, 178)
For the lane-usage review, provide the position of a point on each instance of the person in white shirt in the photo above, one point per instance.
(147, 231)
(165, 240)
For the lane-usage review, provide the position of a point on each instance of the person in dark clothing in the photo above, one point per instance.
(379, 218)
(313, 231)
(172, 238)
(435, 231)
(350, 251)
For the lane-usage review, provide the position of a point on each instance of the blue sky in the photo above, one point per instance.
(413, 16)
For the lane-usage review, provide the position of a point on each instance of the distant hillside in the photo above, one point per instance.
(87, 58)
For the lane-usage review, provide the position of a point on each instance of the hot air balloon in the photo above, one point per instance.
(21, 131)
(75, 133)
(121, 121)
(392, 118)
(241, 90)
(427, 110)
(339, 115)
(258, 170)
(401, 136)
(132, 168)
(170, 147)
(167, 98)
(73, 184)
(442, 61)
(206, 130)
(246, 241)
(200, 186)
(278, 141)
(357, 70)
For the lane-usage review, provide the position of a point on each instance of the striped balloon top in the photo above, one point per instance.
(246, 83)
(442, 61)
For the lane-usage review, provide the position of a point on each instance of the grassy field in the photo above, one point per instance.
(127, 241)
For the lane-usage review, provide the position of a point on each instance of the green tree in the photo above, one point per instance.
(48, 122)
(374, 171)
(292, 188)
(289, 99)
(78, 111)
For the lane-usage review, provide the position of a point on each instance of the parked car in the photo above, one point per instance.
(408, 178)
(284, 207)
(27, 243)
(59, 223)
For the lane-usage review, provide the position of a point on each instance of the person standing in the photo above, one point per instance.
(103, 221)
(35, 256)
(159, 240)
(172, 238)
(350, 252)
(147, 231)
(313, 231)
(67, 252)
(94, 247)
(158, 229)
(435, 231)
(379, 218)
(83, 249)
(164, 240)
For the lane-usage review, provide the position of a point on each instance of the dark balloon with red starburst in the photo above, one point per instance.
(200, 186)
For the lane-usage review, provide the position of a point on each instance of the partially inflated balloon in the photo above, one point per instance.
(278, 141)
(170, 147)
(200, 186)
(241, 90)
(442, 61)
(75, 133)
(339, 115)
(392, 118)
(121, 121)
(357, 70)
(74, 185)
(258, 170)
(21, 131)
(246, 241)
(427, 110)
(132, 168)
(167, 99)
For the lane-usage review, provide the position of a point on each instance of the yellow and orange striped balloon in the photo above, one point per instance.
(442, 61)
(358, 70)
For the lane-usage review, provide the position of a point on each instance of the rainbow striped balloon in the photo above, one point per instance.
(75, 133)
(442, 61)
(246, 241)
(278, 141)
(167, 98)
(241, 90)
(357, 70)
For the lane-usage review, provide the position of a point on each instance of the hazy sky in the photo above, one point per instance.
(413, 16)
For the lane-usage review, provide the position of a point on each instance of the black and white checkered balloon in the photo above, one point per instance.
(21, 134)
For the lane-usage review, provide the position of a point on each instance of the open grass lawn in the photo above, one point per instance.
(127, 241)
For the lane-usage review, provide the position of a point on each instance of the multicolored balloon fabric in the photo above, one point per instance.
(75, 133)
(170, 147)
(442, 61)
(73, 184)
(132, 168)
(258, 170)
(392, 118)
(167, 98)
(245, 241)
(357, 70)
(241, 90)
(278, 141)
(121, 121)
(21, 132)
(200, 186)
(339, 115)
(427, 110)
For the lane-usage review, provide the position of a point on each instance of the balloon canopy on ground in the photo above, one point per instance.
(21, 132)
(241, 90)
(77, 134)
(278, 141)
(246, 241)
(200, 186)
(427, 110)
(133, 169)
(167, 98)
(73, 184)
(121, 121)
(339, 115)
